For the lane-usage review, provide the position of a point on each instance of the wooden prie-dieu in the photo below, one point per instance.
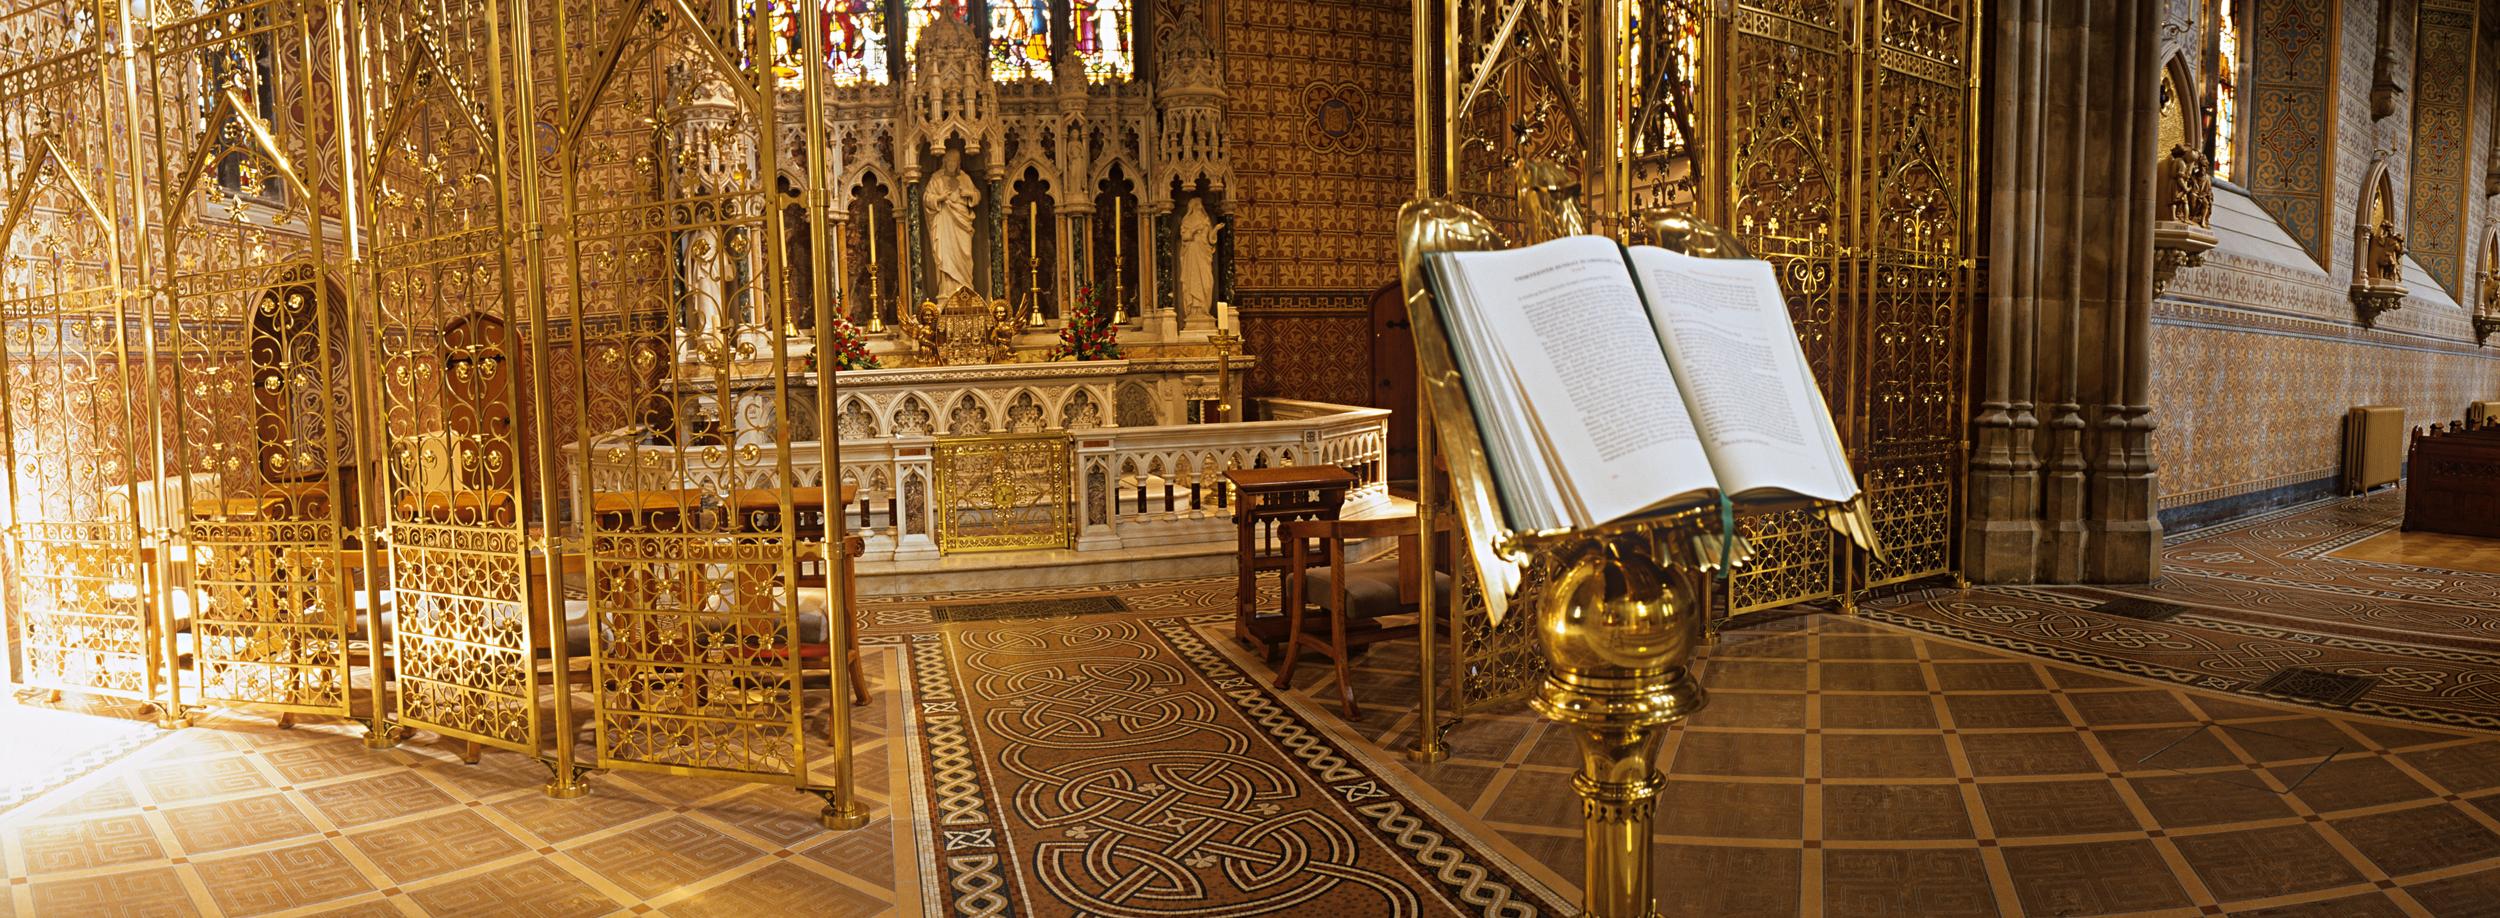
(2455, 487)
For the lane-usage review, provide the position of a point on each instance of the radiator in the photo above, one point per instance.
(2374, 446)
(2475, 412)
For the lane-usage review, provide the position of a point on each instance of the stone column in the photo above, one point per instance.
(915, 286)
(2127, 543)
(2002, 543)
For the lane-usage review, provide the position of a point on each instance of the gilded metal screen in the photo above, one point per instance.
(264, 432)
(670, 307)
(77, 383)
(468, 616)
(1844, 132)
(1001, 492)
(1917, 151)
(1836, 140)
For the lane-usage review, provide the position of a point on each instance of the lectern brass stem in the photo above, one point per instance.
(1619, 632)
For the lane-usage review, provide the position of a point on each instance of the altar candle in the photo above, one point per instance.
(1223, 316)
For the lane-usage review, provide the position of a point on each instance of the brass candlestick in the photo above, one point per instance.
(1033, 265)
(1224, 340)
(876, 295)
(1119, 262)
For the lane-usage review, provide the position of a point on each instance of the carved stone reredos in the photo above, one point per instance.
(1188, 66)
(951, 95)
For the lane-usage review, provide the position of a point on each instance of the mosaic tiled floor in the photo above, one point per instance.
(1879, 765)
(1845, 767)
(236, 817)
(2269, 606)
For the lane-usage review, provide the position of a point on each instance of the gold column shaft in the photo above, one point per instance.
(842, 810)
(1428, 747)
(567, 780)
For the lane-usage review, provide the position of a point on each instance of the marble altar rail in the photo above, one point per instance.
(1131, 486)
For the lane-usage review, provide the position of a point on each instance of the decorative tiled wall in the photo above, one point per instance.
(2257, 358)
(1321, 113)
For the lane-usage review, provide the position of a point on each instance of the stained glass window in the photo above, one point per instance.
(923, 12)
(855, 41)
(1020, 39)
(2227, 56)
(1100, 34)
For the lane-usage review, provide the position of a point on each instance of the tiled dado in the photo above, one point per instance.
(2250, 401)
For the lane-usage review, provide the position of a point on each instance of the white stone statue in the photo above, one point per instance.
(948, 203)
(1196, 262)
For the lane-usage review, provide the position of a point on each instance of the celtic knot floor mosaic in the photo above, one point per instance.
(2241, 605)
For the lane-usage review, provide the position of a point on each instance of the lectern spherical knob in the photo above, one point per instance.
(1617, 611)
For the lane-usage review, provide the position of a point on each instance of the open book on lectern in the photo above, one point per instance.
(1610, 382)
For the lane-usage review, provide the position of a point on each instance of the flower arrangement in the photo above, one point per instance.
(1089, 334)
(843, 347)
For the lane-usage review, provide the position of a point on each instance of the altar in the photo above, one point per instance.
(1071, 464)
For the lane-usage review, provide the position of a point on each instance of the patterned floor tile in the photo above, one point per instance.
(435, 845)
(151, 893)
(2263, 863)
(280, 879)
(183, 782)
(773, 888)
(1937, 883)
(530, 889)
(2421, 838)
(2096, 878)
(366, 800)
(649, 860)
(85, 845)
(211, 827)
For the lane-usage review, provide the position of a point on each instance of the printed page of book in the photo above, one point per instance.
(1566, 318)
(1752, 396)
(1532, 490)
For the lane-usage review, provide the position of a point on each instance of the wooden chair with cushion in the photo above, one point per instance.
(1354, 596)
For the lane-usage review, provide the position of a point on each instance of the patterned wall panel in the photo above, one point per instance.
(1322, 126)
(2443, 96)
(1321, 111)
(1312, 345)
(2291, 116)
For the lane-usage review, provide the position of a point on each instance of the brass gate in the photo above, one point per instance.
(470, 619)
(422, 315)
(666, 172)
(76, 391)
(265, 450)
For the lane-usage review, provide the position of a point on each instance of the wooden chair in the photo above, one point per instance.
(1354, 596)
(1265, 500)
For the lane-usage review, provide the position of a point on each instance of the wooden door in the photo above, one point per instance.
(1393, 379)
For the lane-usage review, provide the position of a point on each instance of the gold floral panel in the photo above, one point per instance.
(1003, 492)
(672, 302)
(1918, 218)
(76, 384)
(468, 617)
(264, 422)
(1788, 139)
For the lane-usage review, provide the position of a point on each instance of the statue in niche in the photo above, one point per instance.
(948, 202)
(1195, 261)
(2191, 186)
(2387, 251)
